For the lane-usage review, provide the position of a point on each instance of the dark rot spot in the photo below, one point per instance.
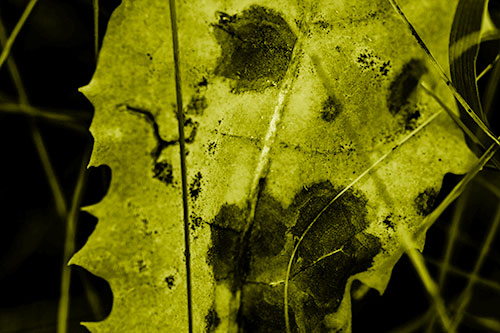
(212, 320)
(330, 109)
(425, 201)
(405, 84)
(170, 280)
(163, 172)
(256, 48)
(195, 186)
(335, 248)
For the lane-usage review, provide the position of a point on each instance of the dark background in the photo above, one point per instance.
(55, 56)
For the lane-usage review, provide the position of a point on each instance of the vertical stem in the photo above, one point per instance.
(95, 5)
(180, 122)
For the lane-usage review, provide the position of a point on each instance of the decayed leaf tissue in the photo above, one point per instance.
(310, 144)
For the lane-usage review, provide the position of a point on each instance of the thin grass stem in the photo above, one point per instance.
(10, 41)
(430, 285)
(466, 294)
(95, 7)
(69, 245)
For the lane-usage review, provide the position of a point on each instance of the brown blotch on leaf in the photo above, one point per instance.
(319, 283)
(425, 201)
(330, 109)
(405, 83)
(256, 48)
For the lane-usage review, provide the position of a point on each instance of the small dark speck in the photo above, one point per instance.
(170, 281)
(149, 56)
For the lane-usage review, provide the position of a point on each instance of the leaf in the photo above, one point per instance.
(309, 145)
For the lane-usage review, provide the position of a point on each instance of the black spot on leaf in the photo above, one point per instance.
(256, 48)
(330, 109)
(163, 172)
(425, 201)
(405, 84)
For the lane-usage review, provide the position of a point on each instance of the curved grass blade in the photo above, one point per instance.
(465, 37)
